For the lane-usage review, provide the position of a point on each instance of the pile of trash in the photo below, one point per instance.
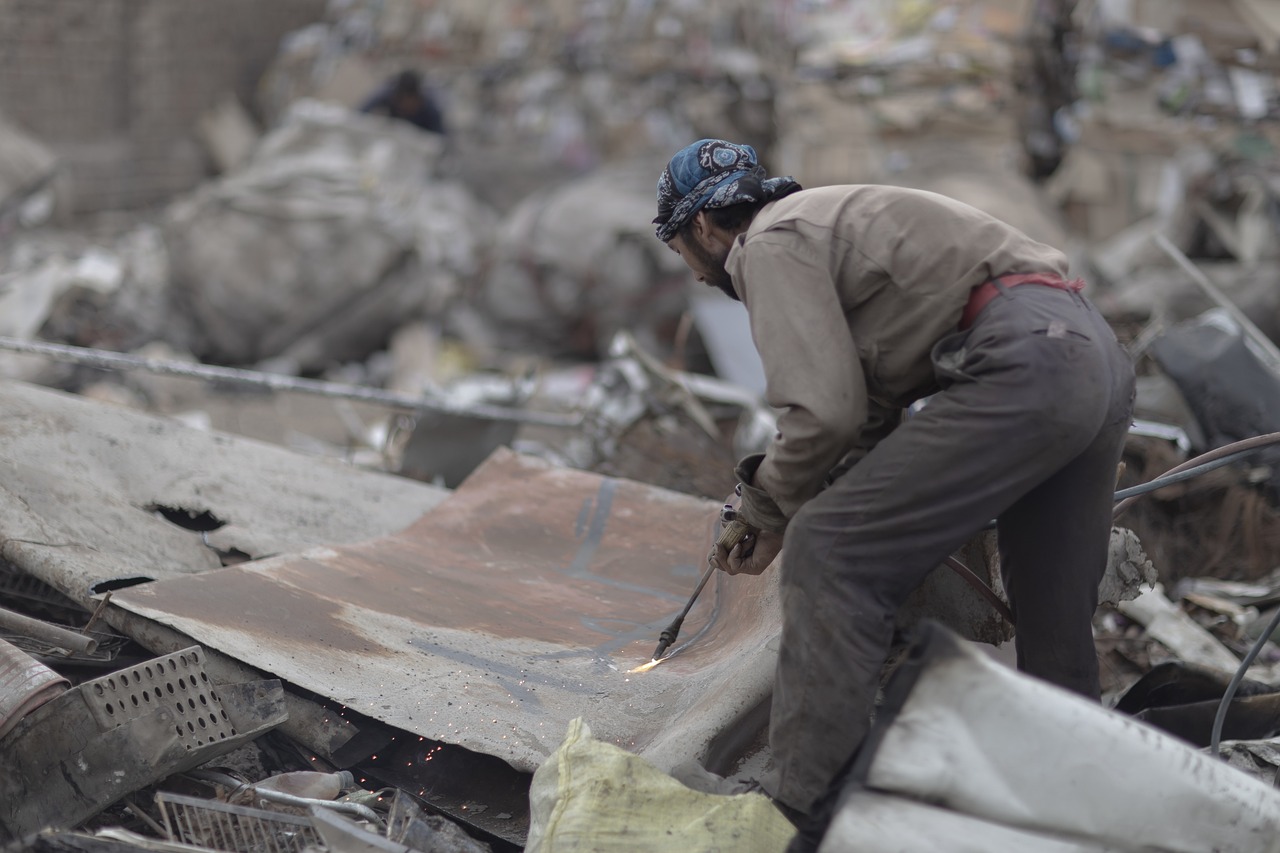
(466, 360)
(536, 86)
(1171, 131)
(902, 92)
(334, 233)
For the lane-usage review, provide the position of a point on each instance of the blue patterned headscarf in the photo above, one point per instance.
(712, 173)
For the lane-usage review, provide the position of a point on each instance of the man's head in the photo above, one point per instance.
(406, 94)
(707, 195)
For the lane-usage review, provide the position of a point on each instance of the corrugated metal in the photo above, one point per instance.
(518, 604)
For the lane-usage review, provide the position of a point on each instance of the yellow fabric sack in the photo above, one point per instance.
(594, 796)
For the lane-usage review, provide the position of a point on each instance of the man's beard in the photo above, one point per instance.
(713, 268)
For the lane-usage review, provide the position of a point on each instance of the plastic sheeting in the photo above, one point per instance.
(871, 823)
(976, 739)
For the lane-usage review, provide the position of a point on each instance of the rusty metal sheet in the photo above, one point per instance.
(519, 603)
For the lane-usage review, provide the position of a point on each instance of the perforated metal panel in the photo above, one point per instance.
(176, 683)
(239, 829)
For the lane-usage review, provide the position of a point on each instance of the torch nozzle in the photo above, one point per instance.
(668, 637)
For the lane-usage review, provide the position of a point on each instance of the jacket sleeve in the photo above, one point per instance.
(812, 373)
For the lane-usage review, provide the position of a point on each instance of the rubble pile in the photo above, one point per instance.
(328, 239)
(902, 92)
(1172, 131)
(560, 86)
(209, 640)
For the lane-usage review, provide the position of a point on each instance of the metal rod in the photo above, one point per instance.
(1268, 347)
(669, 634)
(97, 614)
(63, 638)
(279, 382)
(136, 810)
(355, 809)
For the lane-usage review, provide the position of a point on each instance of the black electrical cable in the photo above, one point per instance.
(1232, 451)
(1193, 467)
(1215, 738)
(1169, 479)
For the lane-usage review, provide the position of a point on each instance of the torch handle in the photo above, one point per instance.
(733, 533)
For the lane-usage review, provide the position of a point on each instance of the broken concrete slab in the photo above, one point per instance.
(516, 605)
(96, 496)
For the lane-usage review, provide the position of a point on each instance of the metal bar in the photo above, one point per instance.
(97, 614)
(355, 809)
(41, 630)
(108, 360)
(1270, 352)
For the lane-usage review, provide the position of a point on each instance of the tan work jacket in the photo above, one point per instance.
(848, 288)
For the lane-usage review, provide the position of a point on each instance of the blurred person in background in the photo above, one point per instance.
(405, 97)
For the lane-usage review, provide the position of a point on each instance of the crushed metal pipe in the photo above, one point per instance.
(109, 360)
(40, 630)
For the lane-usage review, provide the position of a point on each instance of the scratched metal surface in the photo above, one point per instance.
(79, 481)
(519, 603)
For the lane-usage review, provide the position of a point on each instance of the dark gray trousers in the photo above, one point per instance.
(1028, 429)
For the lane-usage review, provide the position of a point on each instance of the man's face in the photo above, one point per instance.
(405, 104)
(706, 262)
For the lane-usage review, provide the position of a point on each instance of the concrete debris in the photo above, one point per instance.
(61, 287)
(1164, 129)
(121, 512)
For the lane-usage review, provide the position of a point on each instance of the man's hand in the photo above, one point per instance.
(751, 556)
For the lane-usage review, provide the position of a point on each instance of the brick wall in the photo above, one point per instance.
(115, 86)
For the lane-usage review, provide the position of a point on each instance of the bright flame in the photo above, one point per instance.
(645, 667)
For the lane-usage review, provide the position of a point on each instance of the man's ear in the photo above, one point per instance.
(700, 226)
(707, 235)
